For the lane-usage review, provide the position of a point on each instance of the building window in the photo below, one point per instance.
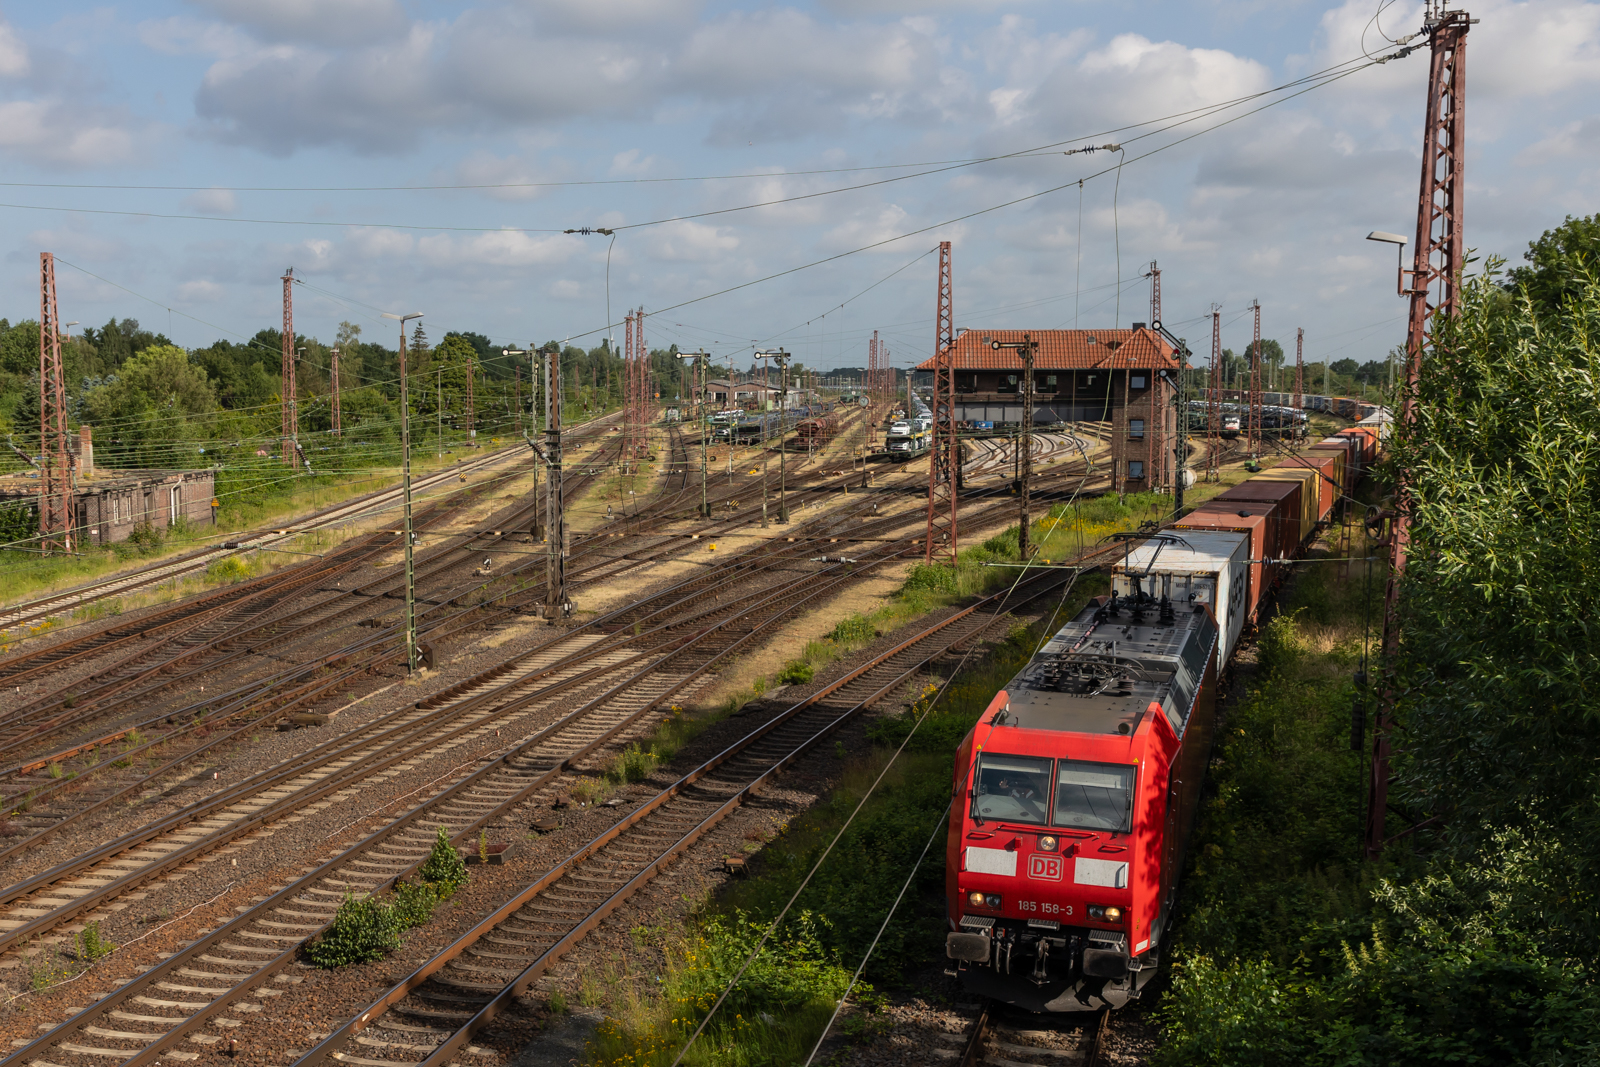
(1136, 468)
(1138, 381)
(1049, 381)
(1135, 427)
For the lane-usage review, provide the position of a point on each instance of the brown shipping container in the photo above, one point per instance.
(1327, 466)
(1285, 499)
(1245, 517)
(1310, 495)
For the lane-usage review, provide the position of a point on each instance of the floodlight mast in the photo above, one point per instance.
(405, 490)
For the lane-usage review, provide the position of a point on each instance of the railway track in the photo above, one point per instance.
(479, 976)
(1004, 1039)
(36, 905)
(260, 943)
(58, 604)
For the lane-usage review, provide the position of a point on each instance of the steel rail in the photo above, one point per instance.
(982, 1026)
(900, 673)
(263, 539)
(373, 763)
(344, 511)
(526, 785)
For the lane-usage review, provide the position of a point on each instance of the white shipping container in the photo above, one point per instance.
(1210, 567)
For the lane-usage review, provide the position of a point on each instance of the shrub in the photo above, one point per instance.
(931, 577)
(857, 629)
(362, 931)
(797, 672)
(444, 869)
(635, 764)
(413, 904)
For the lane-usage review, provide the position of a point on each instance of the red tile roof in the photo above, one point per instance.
(1064, 350)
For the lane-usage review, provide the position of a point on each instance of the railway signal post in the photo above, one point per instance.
(781, 358)
(405, 493)
(699, 365)
(1026, 348)
(555, 570)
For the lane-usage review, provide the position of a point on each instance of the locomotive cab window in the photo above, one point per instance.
(1012, 788)
(1094, 796)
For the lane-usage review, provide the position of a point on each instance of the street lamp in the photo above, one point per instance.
(699, 365)
(1399, 256)
(405, 490)
(781, 358)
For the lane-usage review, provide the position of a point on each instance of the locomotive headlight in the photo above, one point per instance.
(1105, 913)
(992, 901)
(975, 899)
(1047, 843)
(1113, 915)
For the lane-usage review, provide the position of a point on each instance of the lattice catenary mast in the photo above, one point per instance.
(1254, 410)
(288, 402)
(1434, 292)
(1214, 404)
(1299, 370)
(55, 462)
(944, 465)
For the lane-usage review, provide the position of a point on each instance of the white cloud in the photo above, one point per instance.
(689, 242)
(179, 36)
(14, 61)
(212, 202)
(328, 22)
(1575, 138)
(49, 132)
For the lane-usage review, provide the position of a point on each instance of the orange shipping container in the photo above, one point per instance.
(1256, 519)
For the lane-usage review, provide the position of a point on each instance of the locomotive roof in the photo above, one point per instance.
(1101, 672)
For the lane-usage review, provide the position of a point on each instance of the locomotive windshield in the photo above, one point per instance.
(1012, 788)
(1094, 796)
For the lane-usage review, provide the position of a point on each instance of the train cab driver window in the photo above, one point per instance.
(1094, 796)
(1012, 788)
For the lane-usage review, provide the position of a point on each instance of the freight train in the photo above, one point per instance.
(1075, 794)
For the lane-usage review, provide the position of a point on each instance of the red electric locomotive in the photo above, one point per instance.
(1074, 796)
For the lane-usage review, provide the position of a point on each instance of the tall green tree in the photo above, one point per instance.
(1560, 262)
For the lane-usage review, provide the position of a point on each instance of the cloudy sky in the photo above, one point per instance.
(407, 155)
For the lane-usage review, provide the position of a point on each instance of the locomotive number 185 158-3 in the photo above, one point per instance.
(1044, 908)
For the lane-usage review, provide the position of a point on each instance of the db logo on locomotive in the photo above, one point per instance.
(1048, 867)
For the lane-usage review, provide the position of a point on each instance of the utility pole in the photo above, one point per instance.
(944, 465)
(1436, 268)
(405, 492)
(517, 369)
(438, 409)
(555, 571)
(333, 372)
(1026, 348)
(55, 462)
(781, 358)
(1155, 295)
(291, 414)
(698, 366)
(472, 430)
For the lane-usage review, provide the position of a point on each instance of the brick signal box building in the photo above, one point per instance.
(1126, 379)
